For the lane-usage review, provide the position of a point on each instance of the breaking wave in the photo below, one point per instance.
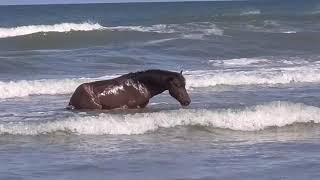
(270, 76)
(37, 87)
(275, 114)
(24, 88)
(194, 79)
(204, 28)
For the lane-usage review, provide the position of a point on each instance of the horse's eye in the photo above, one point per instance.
(178, 84)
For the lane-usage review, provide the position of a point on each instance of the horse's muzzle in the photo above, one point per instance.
(185, 103)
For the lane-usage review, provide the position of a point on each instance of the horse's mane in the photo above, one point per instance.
(153, 76)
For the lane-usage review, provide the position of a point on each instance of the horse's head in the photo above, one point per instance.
(177, 89)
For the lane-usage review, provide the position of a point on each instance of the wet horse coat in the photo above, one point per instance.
(131, 90)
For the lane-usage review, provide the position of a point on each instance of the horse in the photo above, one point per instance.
(132, 90)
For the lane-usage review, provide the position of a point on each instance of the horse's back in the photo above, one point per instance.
(110, 94)
(125, 94)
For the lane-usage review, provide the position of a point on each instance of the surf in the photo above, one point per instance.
(252, 118)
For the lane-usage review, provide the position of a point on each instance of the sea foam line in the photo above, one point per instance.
(275, 114)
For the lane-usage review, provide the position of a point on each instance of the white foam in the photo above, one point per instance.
(63, 27)
(276, 114)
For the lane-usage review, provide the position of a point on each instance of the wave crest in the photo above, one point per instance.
(196, 79)
(203, 28)
(275, 114)
(37, 87)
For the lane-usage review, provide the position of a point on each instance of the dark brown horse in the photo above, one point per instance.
(131, 90)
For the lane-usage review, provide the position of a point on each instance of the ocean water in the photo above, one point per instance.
(252, 70)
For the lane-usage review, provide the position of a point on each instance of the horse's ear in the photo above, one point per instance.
(181, 72)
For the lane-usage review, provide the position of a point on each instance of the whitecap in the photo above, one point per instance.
(63, 27)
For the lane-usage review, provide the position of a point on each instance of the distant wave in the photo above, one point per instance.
(194, 79)
(240, 62)
(63, 27)
(275, 114)
(188, 30)
(204, 28)
(251, 12)
(315, 11)
(265, 61)
(273, 26)
(158, 28)
(289, 32)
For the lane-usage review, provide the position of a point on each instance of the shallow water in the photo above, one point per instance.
(252, 71)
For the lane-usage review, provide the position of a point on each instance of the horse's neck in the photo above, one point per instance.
(153, 90)
(155, 83)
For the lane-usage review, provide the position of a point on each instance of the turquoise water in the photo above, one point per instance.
(251, 67)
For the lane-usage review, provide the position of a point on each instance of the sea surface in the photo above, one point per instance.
(252, 70)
